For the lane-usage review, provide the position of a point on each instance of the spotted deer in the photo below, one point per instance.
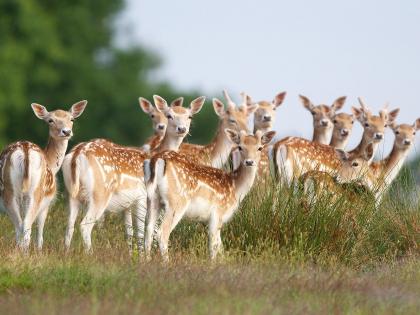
(107, 176)
(343, 126)
(217, 152)
(382, 173)
(322, 118)
(264, 118)
(28, 184)
(350, 174)
(295, 156)
(159, 122)
(199, 192)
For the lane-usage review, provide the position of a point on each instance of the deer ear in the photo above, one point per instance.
(369, 152)
(358, 114)
(417, 124)
(40, 111)
(338, 103)
(251, 109)
(392, 116)
(219, 107)
(78, 108)
(197, 104)
(278, 99)
(306, 102)
(160, 103)
(233, 136)
(145, 105)
(267, 137)
(177, 102)
(343, 155)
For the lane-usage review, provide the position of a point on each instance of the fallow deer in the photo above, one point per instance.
(343, 126)
(295, 156)
(217, 152)
(113, 174)
(382, 173)
(28, 183)
(199, 192)
(159, 123)
(322, 118)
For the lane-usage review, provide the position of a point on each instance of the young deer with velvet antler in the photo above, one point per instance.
(113, 174)
(322, 118)
(28, 183)
(295, 156)
(217, 152)
(199, 192)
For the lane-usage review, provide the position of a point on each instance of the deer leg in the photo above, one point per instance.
(41, 222)
(170, 220)
(140, 213)
(30, 215)
(215, 240)
(74, 205)
(150, 223)
(128, 222)
(94, 211)
(13, 211)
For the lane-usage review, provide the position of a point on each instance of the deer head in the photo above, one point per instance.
(405, 134)
(159, 120)
(374, 126)
(179, 118)
(354, 166)
(249, 146)
(343, 126)
(60, 122)
(265, 114)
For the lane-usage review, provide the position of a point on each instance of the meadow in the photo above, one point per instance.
(282, 255)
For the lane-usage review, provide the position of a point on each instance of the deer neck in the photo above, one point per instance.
(243, 179)
(322, 135)
(55, 152)
(339, 142)
(361, 147)
(387, 169)
(170, 143)
(220, 148)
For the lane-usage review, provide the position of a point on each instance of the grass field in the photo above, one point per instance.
(281, 256)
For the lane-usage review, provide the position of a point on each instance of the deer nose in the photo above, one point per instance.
(379, 136)
(267, 118)
(249, 163)
(66, 132)
(344, 132)
(181, 130)
(407, 142)
(324, 122)
(161, 126)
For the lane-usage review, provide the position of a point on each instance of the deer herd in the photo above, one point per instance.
(166, 179)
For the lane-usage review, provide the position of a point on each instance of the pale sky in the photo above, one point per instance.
(322, 49)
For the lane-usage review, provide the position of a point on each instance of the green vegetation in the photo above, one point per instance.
(281, 255)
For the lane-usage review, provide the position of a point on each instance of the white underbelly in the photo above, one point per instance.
(200, 209)
(124, 199)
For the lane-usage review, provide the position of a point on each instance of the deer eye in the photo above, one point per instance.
(397, 132)
(152, 116)
(189, 117)
(385, 125)
(50, 121)
(313, 113)
(72, 119)
(335, 121)
(232, 121)
(352, 122)
(414, 133)
(169, 117)
(260, 148)
(355, 164)
(240, 148)
(366, 125)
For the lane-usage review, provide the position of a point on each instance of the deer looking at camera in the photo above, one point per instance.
(295, 156)
(217, 152)
(28, 183)
(199, 192)
(159, 122)
(323, 116)
(106, 176)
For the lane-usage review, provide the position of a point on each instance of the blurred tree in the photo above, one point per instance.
(58, 52)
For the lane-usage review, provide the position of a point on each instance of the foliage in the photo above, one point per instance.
(58, 52)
